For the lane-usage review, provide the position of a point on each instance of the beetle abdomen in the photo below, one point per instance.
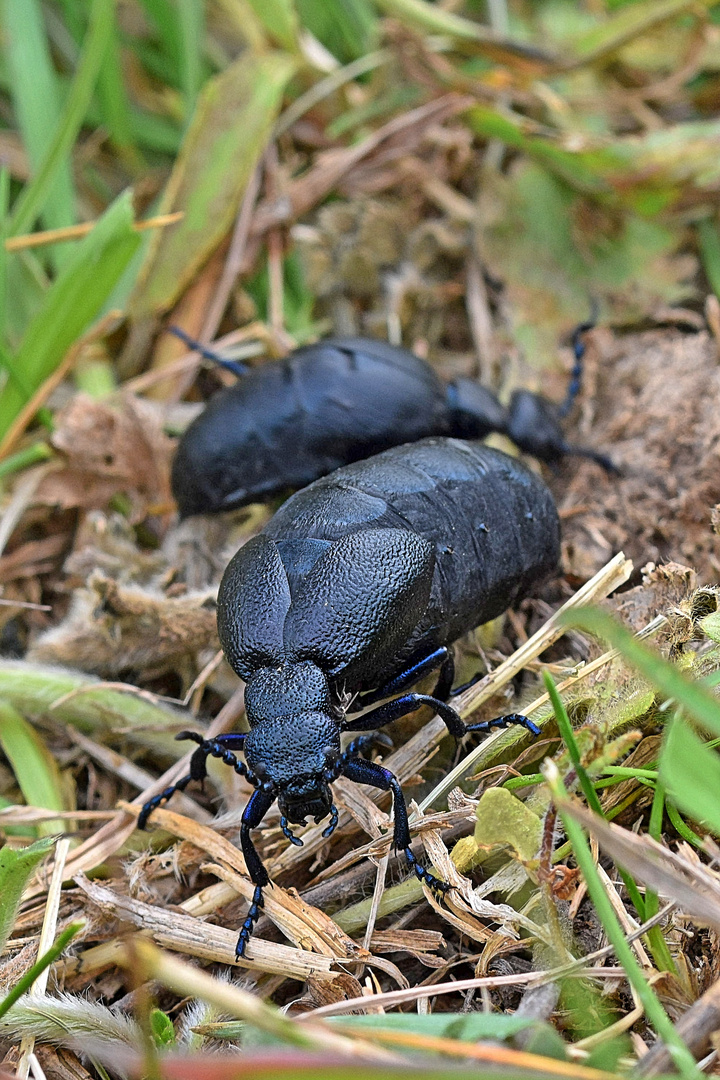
(289, 421)
(493, 523)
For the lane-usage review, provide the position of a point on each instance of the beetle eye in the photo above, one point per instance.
(260, 770)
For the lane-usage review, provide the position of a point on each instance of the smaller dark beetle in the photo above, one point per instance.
(287, 422)
(353, 592)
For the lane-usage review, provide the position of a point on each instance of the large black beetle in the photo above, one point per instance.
(354, 590)
(288, 422)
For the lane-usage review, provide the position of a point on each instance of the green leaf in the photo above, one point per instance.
(72, 303)
(37, 103)
(16, 869)
(161, 1025)
(229, 131)
(33, 199)
(280, 20)
(690, 771)
(502, 819)
(35, 768)
(699, 702)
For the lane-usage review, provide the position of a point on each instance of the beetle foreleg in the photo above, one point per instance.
(254, 812)
(368, 772)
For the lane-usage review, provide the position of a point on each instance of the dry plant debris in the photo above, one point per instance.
(410, 173)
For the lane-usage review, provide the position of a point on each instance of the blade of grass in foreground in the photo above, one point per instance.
(656, 1015)
(36, 99)
(71, 304)
(33, 199)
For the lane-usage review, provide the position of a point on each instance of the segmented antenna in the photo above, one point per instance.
(236, 366)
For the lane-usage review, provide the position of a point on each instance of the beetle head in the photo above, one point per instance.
(293, 747)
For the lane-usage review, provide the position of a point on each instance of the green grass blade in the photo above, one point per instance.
(16, 869)
(72, 302)
(347, 28)
(35, 768)
(54, 953)
(690, 771)
(86, 703)
(696, 699)
(279, 18)
(33, 199)
(709, 243)
(36, 99)
(211, 173)
(114, 104)
(191, 25)
(4, 204)
(681, 1056)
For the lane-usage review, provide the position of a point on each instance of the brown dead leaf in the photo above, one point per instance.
(693, 887)
(110, 448)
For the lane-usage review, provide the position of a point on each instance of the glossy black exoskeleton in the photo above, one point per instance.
(355, 590)
(288, 422)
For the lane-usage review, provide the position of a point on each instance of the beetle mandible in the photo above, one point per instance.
(355, 590)
(290, 421)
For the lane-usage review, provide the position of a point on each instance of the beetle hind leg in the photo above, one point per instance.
(504, 721)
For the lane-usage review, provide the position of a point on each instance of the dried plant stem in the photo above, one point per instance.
(613, 574)
(47, 936)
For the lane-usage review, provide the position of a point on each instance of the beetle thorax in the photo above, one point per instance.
(294, 741)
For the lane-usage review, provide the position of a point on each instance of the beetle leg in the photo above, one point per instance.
(236, 366)
(393, 710)
(504, 721)
(442, 658)
(218, 747)
(368, 772)
(254, 812)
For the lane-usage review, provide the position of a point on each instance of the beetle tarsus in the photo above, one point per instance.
(503, 721)
(436, 884)
(254, 912)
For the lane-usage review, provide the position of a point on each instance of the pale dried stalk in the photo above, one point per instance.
(47, 936)
(615, 573)
(229, 998)
(193, 937)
